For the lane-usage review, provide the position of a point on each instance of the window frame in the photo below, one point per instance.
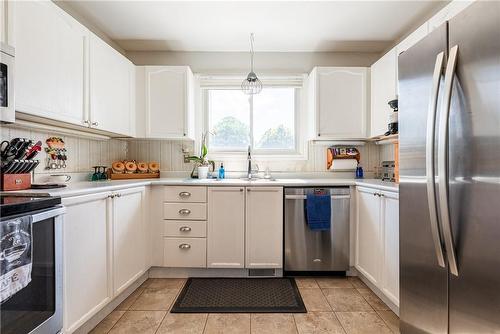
(279, 153)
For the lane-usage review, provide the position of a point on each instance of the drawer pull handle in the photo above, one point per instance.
(184, 211)
(185, 229)
(184, 194)
(184, 246)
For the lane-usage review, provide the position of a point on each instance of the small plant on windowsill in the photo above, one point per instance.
(201, 161)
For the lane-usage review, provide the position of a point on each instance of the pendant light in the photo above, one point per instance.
(251, 85)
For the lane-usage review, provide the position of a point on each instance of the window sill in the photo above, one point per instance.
(239, 156)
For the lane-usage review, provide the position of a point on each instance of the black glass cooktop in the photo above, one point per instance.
(19, 203)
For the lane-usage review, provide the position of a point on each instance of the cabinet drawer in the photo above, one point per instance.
(185, 194)
(190, 229)
(185, 252)
(188, 211)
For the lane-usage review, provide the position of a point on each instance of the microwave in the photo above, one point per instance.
(7, 103)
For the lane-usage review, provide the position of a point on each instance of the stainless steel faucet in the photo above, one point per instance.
(249, 158)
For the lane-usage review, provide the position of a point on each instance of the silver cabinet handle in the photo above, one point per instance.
(184, 211)
(241, 189)
(118, 195)
(111, 196)
(184, 246)
(429, 159)
(248, 189)
(87, 122)
(95, 123)
(185, 229)
(443, 147)
(184, 194)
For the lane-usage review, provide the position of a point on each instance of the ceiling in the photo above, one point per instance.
(279, 26)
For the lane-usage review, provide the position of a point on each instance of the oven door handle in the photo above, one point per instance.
(40, 216)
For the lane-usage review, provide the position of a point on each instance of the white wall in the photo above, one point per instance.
(239, 62)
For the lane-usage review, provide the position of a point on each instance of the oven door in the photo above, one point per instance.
(7, 105)
(38, 307)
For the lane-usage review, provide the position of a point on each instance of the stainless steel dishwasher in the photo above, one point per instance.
(307, 250)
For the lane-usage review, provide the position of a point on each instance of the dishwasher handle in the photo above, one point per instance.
(305, 197)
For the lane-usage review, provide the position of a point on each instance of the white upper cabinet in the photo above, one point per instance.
(383, 89)
(264, 227)
(339, 100)
(110, 88)
(50, 62)
(169, 102)
(7, 22)
(452, 9)
(413, 38)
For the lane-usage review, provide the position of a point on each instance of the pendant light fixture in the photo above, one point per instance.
(251, 85)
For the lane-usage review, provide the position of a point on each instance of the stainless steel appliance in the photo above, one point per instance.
(449, 100)
(388, 171)
(322, 251)
(37, 308)
(7, 103)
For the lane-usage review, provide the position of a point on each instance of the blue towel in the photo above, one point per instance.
(318, 212)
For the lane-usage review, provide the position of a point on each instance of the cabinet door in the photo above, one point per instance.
(168, 102)
(383, 89)
(226, 227)
(129, 235)
(368, 229)
(50, 71)
(6, 21)
(390, 279)
(264, 227)
(110, 77)
(86, 256)
(341, 94)
(110, 88)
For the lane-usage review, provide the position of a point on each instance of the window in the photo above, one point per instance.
(266, 121)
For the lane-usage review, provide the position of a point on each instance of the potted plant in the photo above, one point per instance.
(201, 163)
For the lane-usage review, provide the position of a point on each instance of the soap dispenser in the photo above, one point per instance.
(222, 172)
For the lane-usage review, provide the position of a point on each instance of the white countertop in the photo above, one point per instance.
(87, 187)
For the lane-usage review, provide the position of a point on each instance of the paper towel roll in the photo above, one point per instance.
(344, 164)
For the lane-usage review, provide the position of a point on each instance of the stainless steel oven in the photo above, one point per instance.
(312, 251)
(37, 308)
(7, 103)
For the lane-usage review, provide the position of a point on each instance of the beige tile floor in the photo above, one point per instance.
(334, 305)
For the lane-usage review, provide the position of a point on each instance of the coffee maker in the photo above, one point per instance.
(393, 118)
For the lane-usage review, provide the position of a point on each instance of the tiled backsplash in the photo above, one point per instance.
(82, 152)
(171, 157)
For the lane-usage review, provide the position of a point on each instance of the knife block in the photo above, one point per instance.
(16, 181)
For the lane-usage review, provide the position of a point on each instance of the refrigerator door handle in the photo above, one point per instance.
(443, 161)
(429, 159)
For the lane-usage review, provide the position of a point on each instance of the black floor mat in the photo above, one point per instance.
(239, 295)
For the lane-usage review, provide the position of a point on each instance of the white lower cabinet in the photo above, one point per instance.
(377, 239)
(226, 227)
(390, 277)
(185, 252)
(104, 250)
(264, 227)
(129, 238)
(245, 227)
(368, 232)
(86, 258)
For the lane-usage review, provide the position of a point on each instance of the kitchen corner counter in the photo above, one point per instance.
(87, 187)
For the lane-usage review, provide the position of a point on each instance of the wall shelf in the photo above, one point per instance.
(384, 140)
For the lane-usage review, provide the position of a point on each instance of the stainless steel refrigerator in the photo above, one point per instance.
(449, 106)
